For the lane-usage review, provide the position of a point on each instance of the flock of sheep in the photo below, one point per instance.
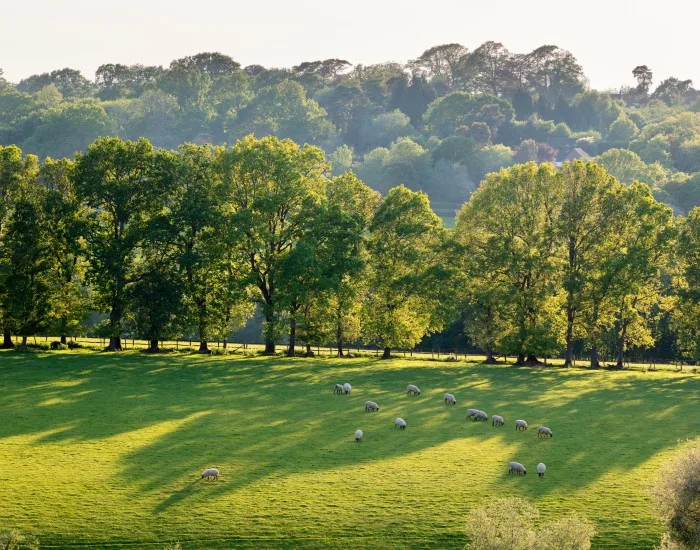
(474, 415)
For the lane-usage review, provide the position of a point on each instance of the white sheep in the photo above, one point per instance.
(400, 423)
(210, 472)
(482, 416)
(358, 435)
(497, 420)
(413, 390)
(476, 415)
(338, 388)
(449, 398)
(543, 431)
(471, 413)
(517, 468)
(541, 469)
(347, 387)
(371, 406)
(520, 425)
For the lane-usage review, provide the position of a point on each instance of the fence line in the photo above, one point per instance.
(441, 354)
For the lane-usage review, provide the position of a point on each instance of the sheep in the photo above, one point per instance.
(520, 425)
(471, 413)
(541, 469)
(497, 420)
(400, 423)
(413, 390)
(371, 406)
(358, 435)
(517, 468)
(347, 387)
(338, 388)
(210, 472)
(481, 416)
(543, 431)
(449, 398)
(476, 415)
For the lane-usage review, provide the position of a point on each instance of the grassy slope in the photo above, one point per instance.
(99, 449)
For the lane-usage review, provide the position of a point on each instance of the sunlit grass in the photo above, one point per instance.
(106, 450)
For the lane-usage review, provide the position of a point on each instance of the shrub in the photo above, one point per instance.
(75, 345)
(677, 494)
(219, 351)
(58, 346)
(14, 540)
(173, 546)
(509, 524)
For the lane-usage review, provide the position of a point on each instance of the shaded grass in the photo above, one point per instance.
(106, 450)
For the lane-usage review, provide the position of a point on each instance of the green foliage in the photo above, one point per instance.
(15, 540)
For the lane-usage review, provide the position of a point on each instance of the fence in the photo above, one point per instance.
(437, 354)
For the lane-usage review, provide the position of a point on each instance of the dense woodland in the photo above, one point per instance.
(438, 123)
(335, 241)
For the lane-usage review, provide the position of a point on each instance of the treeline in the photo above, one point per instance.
(438, 123)
(166, 243)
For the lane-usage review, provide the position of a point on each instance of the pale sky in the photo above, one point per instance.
(609, 37)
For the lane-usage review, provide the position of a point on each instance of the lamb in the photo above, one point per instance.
(338, 388)
(413, 390)
(358, 435)
(401, 423)
(347, 388)
(517, 468)
(449, 398)
(520, 425)
(543, 431)
(541, 469)
(371, 406)
(210, 472)
(497, 420)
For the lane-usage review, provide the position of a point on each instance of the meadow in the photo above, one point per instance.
(106, 450)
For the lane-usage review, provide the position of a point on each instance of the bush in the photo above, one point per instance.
(75, 345)
(58, 346)
(509, 523)
(14, 540)
(219, 351)
(677, 494)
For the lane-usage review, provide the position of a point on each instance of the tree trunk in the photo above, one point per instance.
(292, 336)
(339, 339)
(595, 362)
(225, 343)
(204, 347)
(7, 342)
(490, 359)
(387, 353)
(309, 351)
(269, 332)
(569, 361)
(532, 360)
(521, 360)
(63, 339)
(24, 341)
(115, 343)
(621, 346)
(154, 347)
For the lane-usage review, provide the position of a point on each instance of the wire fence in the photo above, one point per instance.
(640, 363)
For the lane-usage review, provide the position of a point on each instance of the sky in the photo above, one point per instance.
(609, 37)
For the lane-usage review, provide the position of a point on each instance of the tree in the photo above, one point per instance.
(508, 234)
(272, 187)
(188, 84)
(457, 109)
(626, 166)
(16, 173)
(644, 77)
(70, 83)
(686, 314)
(523, 105)
(623, 130)
(442, 60)
(672, 91)
(66, 216)
(488, 70)
(554, 72)
(677, 494)
(214, 64)
(119, 183)
(406, 273)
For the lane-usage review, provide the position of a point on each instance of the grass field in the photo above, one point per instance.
(105, 450)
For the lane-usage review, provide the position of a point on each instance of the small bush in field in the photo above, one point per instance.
(219, 351)
(74, 345)
(14, 540)
(173, 546)
(58, 346)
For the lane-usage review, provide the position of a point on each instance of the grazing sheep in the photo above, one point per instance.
(413, 390)
(338, 388)
(541, 469)
(358, 435)
(543, 431)
(497, 420)
(401, 423)
(476, 415)
(371, 406)
(471, 413)
(517, 468)
(347, 387)
(210, 472)
(449, 398)
(520, 425)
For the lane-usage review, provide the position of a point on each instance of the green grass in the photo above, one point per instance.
(106, 450)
